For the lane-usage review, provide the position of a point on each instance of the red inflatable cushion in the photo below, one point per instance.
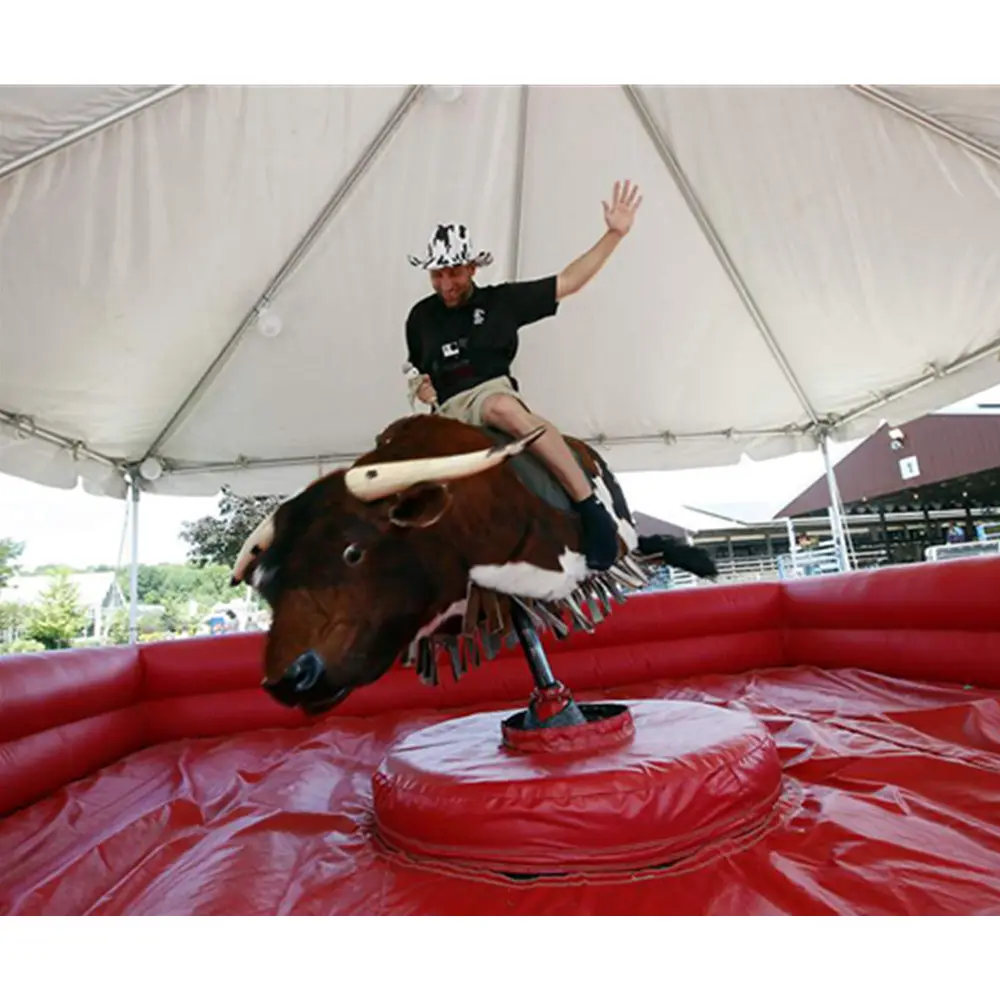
(691, 776)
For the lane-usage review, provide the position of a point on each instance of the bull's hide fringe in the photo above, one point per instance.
(487, 625)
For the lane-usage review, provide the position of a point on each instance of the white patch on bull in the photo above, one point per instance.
(457, 608)
(527, 580)
(625, 530)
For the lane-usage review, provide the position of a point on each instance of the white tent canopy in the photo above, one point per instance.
(806, 259)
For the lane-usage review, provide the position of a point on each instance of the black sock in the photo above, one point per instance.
(600, 534)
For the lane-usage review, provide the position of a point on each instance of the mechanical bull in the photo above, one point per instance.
(420, 548)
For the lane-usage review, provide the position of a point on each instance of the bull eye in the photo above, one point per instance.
(353, 554)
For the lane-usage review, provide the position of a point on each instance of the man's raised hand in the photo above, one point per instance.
(625, 202)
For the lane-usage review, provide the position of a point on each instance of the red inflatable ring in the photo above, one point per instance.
(690, 776)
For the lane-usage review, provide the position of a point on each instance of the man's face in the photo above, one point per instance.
(453, 284)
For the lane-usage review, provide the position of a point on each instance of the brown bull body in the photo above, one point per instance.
(427, 559)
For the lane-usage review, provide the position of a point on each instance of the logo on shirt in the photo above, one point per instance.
(450, 350)
(478, 317)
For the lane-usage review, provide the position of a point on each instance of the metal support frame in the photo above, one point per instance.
(710, 233)
(793, 545)
(840, 542)
(928, 122)
(133, 586)
(990, 350)
(684, 186)
(332, 461)
(25, 425)
(63, 142)
(517, 212)
(300, 250)
(819, 427)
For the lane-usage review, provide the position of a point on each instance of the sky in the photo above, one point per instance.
(73, 528)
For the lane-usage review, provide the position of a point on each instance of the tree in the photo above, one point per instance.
(10, 552)
(176, 620)
(218, 540)
(119, 627)
(60, 618)
(13, 618)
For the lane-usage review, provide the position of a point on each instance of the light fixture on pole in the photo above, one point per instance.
(447, 93)
(269, 323)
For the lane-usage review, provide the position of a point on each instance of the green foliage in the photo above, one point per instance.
(117, 631)
(181, 595)
(184, 593)
(172, 586)
(60, 618)
(54, 569)
(10, 552)
(13, 617)
(21, 646)
(217, 540)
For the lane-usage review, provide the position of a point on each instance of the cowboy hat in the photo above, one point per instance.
(450, 246)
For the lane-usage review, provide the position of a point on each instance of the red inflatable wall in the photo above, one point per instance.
(64, 715)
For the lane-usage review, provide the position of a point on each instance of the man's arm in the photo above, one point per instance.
(417, 388)
(574, 276)
(413, 352)
(618, 216)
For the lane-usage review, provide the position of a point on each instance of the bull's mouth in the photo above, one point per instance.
(310, 701)
(306, 683)
(319, 707)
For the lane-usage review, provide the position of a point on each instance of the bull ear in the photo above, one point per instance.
(420, 506)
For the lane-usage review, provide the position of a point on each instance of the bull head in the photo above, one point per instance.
(353, 571)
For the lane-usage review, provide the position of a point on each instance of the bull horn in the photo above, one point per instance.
(259, 541)
(373, 482)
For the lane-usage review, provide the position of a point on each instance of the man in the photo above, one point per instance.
(464, 337)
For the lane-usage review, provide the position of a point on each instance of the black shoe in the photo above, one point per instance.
(600, 533)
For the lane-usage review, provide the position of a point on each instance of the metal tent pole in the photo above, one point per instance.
(25, 426)
(298, 253)
(793, 546)
(77, 135)
(517, 211)
(687, 192)
(836, 515)
(928, 121)
(133, 587)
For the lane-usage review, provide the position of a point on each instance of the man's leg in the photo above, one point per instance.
(600, 534)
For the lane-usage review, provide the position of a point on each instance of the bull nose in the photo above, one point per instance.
(306, 672)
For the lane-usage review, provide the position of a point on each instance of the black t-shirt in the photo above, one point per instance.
(463, 346)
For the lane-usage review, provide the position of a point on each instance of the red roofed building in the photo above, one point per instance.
(894, 465)
(942, 469)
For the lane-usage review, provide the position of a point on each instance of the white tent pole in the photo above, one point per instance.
(793, 546)
(7, 169)
(300, 250)
(836, 518)
(517, 213)
(722, 254)
(133, 586)
(928, 121)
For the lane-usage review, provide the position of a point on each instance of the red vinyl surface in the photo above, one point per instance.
(690, 776)
(161, 780)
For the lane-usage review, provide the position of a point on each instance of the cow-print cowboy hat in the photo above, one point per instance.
(450, 246)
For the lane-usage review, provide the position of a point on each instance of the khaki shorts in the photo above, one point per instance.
(468, 406)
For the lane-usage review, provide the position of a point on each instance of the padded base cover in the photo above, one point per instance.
(692, 775)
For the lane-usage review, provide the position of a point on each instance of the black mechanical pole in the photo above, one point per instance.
(551, 703)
